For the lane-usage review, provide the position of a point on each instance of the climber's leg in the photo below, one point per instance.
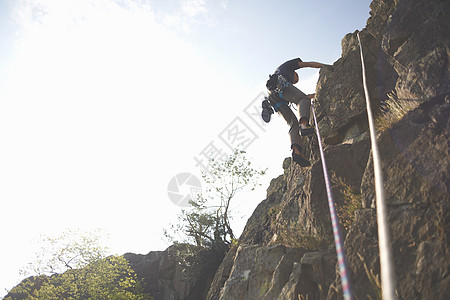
(294, 95)
(292, 121)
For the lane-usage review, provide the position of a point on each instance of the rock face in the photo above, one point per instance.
(416, 167)
(275, 272)
(176, 273)
(286, 250)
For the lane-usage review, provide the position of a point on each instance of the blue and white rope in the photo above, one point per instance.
(345, 280)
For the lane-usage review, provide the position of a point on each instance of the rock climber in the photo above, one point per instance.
(282, 92)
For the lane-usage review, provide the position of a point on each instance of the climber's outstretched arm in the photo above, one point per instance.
(310, 64)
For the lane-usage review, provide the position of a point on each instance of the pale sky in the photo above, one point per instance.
(103, 102)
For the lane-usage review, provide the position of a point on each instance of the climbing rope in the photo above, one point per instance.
(346, 288)
(387, 280)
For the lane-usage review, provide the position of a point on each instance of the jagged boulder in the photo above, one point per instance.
(311, 276)
(181, 272)
(147, 268)
(277, 272)
(252, 274)
(258, 228)
(222, 274)
(416, 44)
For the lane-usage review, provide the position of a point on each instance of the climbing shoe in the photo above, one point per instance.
(267, 111)
(308, 130)
(299, 157)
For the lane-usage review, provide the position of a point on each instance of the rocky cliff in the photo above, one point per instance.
(286, 250)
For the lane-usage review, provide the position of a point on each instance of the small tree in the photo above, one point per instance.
(73, 249)
(78, 269)
(207, 221)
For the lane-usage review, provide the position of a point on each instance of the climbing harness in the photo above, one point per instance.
(277, 83)
(345, 280)
(387, 279)
(282, 83)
